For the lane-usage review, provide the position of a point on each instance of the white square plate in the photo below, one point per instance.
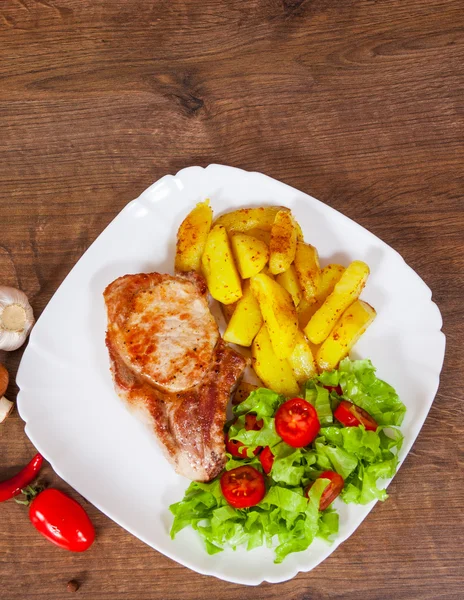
(77, 422)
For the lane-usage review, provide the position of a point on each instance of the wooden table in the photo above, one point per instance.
(358, 103)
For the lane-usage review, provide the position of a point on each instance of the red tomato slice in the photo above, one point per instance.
(62, 520)
(334, 388)
(351, 415)
(331, 491)
(251, 424)
(238, 449)
(296, 422)
(266, 458)
(243, 487)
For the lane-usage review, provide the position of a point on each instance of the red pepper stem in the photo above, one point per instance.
(12, 487)
(30, 492)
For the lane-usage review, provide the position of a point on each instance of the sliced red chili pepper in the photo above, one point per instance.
(13, 486)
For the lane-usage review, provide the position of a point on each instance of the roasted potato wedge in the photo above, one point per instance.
(251, 254)
(243, 391)
(308, 270)
(219, 267)
(349, 328)
(305, 311)
(301, 360)
(283, 242)
(278, 312)
(265, 271)
(330, 275)
(191, 238)
(289, 281)
(345, 292)
(260, 234)
(246, 319)
(244, 219)
(274, 372)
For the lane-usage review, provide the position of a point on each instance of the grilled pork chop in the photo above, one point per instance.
(171, 366)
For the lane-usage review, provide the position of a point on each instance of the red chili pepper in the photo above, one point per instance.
(12, 487)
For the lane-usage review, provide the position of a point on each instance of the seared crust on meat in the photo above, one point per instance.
(188, 421)
(162, 327)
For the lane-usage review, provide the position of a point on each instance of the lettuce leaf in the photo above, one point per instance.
(318, 396)
(266, 436)
(285, 518)
(262, 402)
(361, 457)
(292, 466)
(360, 385)
(284, 512)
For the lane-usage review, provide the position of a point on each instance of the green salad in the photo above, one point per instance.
(289, 458)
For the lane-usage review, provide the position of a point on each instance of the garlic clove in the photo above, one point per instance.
(4, 379)
(5, 408)
(16, 318)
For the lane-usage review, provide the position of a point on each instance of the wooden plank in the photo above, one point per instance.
(358, 103)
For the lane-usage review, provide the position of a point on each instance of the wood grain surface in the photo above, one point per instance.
(358, 103)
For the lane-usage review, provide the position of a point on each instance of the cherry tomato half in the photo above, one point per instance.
(252, 424)
(351, 415)
(243, 487)
(296, 422)
(238, 449)
(334, 388)
(61, 520)
(331, 491)
(266, 458)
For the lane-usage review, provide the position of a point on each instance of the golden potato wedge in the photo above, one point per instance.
(227, 310)
(301, 360)
(305, 311)
(246, 320)
(243, 391)
(330, 275)
(219, 267)
(349, 328)
(314, 348)
(250, 254)
(283, 242)
(308, 270)
(191, 238)
(265, 271)
(289, 281)
(244, 219)
(260, 234)
(278, 312)
(299, 232)
(274, 372)
(345, 292)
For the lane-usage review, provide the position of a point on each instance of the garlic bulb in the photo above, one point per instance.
(16, 318)
(5, 408)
